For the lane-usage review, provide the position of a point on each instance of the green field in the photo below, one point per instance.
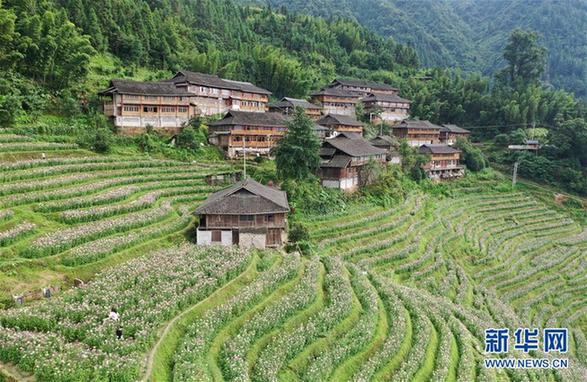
(401, 294)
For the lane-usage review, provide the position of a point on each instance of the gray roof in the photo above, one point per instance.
(335, 92)
(353, 147)
(163, 88)
(384, 140)
(385, 98)
(236, 117)
(337, 161)
(416, 124)
(295, 102)
(438, 149)
(454, 129)
(338, 119)
(213, 80)
(363, 83)
(349, 135)
(246, 197)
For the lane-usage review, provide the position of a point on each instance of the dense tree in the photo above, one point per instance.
(525, 58)
(296, 154)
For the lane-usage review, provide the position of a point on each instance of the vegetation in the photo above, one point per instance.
(459, 33)
(297, 153)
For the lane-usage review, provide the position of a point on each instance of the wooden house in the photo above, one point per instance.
(337, 123)
(343, 160)
(211, 94)
(287, 106)
(388, 108)
(247, 132)
(450, 133)
(444, 162)
(362, 88)
(335, 101)
(246, 214)
(134, 105)
(390, 145)
(417, 133)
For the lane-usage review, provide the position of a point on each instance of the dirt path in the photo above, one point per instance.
(12, 373)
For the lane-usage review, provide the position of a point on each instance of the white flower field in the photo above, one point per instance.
(400, 294)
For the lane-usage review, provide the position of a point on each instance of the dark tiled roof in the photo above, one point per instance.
(294, 102)
(353, 147)
(337, 161)
(246, 197)
(454, 129)
(338, 119)
(349, 135)
(365, 84)
(320, 128)
(213, 80)
(235, 117)
(162, 88)
(385, 98)
(438, 149)
(335, 92)
(327, 151)
(416, 124)
(384, 140)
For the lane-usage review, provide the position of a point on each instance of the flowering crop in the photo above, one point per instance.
(16, 231)
(74, 330)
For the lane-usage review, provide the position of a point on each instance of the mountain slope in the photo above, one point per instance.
(471, 34)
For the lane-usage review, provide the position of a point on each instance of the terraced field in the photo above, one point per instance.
(401, 294)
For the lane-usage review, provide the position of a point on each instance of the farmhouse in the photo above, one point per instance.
(390, 145)
(337, 123)
(335, 101)
(444, 162)
(247, 214)
(134, 105)
(450, 133)
(362, 88)
(389, 108)
(343, 159)
(287, 105)
(417, 133)
(211, 94)
(248, 132)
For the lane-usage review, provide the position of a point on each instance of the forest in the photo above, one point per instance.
(56, 53)
(471, 35)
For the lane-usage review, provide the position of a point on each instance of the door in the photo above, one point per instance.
(273, 237)
(235, 237)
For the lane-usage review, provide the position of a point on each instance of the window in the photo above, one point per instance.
(246, 218)
(270, 218)
(183, 109)
(168, 109)
(216, 236)
(150, 109)
(131, 108)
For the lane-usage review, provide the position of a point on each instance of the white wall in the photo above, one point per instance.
(252, 240)
(204, 237)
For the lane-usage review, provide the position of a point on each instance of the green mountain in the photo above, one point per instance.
(471, 34)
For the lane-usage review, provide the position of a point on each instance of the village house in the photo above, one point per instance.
(444, 162)
(343, 159)
(335, 101)
(391, 147)
(417, 133)
(211, 94)
(248, 132)
(134, 105)
(450, 133)
(389, 108)
(337, 123)
(362, 88)
(287, 106)
(247, 214)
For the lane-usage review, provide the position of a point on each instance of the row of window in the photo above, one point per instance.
(151, 98)
(154, 109)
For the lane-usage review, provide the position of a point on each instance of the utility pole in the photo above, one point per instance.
(515, 176)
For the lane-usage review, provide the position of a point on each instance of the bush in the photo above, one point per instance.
(472, 156)
(9, 109)
(98, 136)
(192, 136)
(298, 232)
(501, 140)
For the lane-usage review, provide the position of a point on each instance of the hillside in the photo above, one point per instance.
(403, 292)
(471, 34)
